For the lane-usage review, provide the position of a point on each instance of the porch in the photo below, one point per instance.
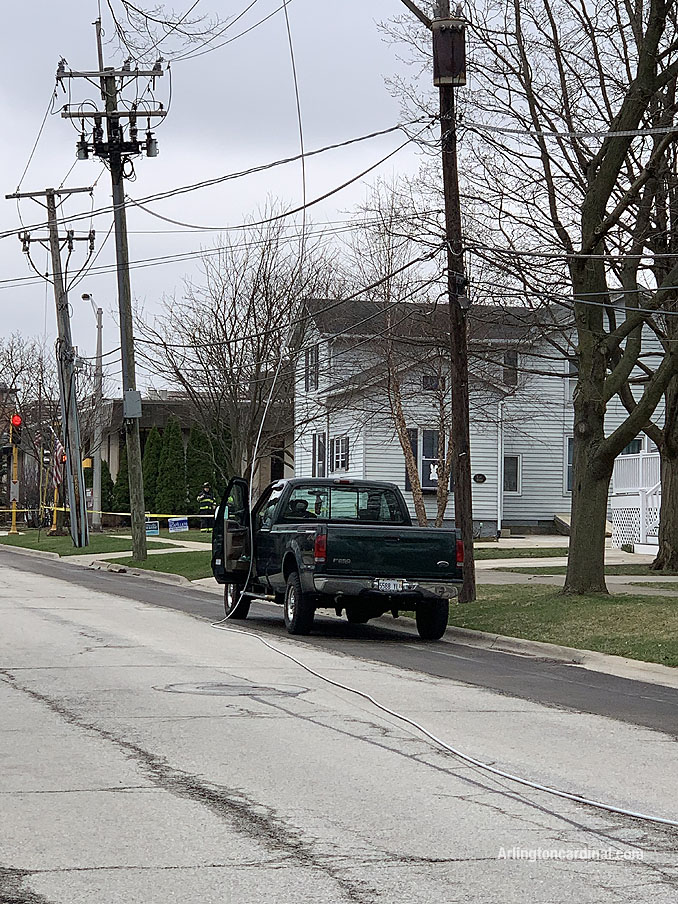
(635, 501)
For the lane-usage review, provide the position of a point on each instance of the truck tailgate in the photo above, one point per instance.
(403, 552)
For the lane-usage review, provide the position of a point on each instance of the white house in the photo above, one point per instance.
(521, 405)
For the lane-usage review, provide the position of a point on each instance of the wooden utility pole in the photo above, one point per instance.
(117, 148)
(70, 421)
(449, 72)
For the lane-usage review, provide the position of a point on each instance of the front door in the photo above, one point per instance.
(231, 537)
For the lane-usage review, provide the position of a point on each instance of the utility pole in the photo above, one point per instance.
(118, 150)
(449, 72)
(98, 401)
(70, 421)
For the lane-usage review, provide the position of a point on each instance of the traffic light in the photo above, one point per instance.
(15, 429)
(46, 457)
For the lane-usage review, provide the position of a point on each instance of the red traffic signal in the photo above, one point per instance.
(15, 428)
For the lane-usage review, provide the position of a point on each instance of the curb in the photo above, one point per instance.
(40, 553)
(606, 663)
(163, 577)
(619, 666)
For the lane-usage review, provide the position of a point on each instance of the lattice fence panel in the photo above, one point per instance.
(653, 520)
(625, 526)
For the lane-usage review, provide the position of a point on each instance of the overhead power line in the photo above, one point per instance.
(208, 183)
(294, 210)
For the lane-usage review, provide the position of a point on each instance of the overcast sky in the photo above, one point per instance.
(231, 109)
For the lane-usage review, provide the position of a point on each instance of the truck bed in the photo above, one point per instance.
(383, 551)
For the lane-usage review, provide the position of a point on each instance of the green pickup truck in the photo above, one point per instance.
(347, 545)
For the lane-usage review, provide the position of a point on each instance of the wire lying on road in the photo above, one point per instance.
(464, 757)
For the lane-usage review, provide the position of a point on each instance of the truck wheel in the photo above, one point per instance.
(299, 611)
(356, 616)
(432, 619)
(232, 607)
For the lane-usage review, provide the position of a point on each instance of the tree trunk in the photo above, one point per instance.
(586, 559)
(667, 555)
(591, 473)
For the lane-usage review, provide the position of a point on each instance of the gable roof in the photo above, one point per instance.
(486, 323)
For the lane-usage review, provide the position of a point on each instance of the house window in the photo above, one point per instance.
(429, 459)
(339, 459)
(319, 455)
(277, 465)
(432, 382)
(635, 447)
(569, 471)
(572, 376)
(512, 474)
(510, 371)
(424, 445)
(312, 369)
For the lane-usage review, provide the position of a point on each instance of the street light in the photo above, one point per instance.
(97, 440)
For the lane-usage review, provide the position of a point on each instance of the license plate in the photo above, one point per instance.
(390, 586)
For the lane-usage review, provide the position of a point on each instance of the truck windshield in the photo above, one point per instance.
(375, 505)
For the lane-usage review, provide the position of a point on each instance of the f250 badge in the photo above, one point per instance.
(341, 561)
(443, 564)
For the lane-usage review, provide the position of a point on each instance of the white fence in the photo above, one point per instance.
(635, 517)
(636, 499)
(636, 472)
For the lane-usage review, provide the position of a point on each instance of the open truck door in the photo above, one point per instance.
(231, 535)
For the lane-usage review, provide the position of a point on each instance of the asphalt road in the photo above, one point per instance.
(542, 681)
(148, 759)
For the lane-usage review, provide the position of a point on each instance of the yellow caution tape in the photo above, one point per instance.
(50, 508)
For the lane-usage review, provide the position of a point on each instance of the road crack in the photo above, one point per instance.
(247, 817)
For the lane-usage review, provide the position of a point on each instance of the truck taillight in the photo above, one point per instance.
(460, 552)
(320, 548)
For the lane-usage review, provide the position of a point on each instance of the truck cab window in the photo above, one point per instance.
(265, 509)
(307, 504)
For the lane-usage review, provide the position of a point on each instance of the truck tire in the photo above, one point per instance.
(432, 619)
(299, 611)
(232, 607)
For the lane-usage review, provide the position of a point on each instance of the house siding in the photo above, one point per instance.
(536, 423)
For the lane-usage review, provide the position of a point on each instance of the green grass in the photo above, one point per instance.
(193, 565)
(638, 627)
(638, 570)
(538, 552)
(192, 535)
(99, 543)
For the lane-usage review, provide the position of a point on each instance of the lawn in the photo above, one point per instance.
(537, 552)
(638, 627)
(195, 536)
(638, 570)
(192, 565)
(98, 545)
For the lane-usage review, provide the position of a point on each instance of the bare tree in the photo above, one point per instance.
(560, 159)
(230, 342)
(378, 254)
(30, 386)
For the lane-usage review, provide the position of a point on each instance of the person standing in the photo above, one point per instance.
(206, 507)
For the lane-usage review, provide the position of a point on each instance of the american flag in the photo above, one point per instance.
(57, 463)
